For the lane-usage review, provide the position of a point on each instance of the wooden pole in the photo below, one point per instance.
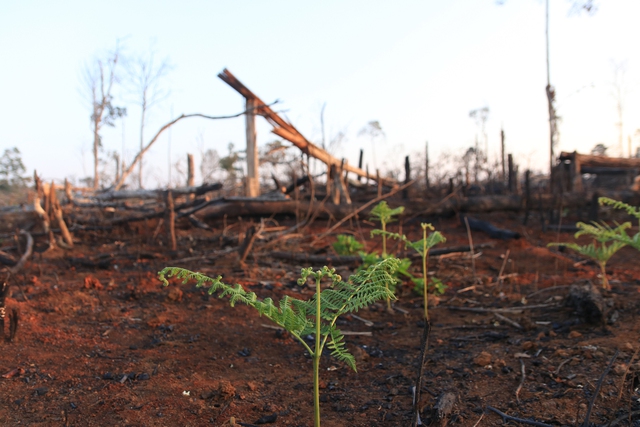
(191, 171)
(379, 182)
(504, 175)
(407, 177)
(171, 221)
(362, 155)
(426, 166)
(527, 196)
(511, 174)
(335, 184)
(252, 187)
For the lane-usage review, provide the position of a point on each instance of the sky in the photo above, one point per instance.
(417, 67)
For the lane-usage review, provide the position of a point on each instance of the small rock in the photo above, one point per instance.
(245, 352)
(529, 345)
(620, 369)
(500, 363)
(575, 334)
(226, 390)
(175, 294)
(561, 353)
(92, 282)
(252, 386)
(483, 359)
(267, 419)
(41, 391)
(360, 354)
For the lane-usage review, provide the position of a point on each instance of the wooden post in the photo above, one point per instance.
(252, 184)
(426, 166)
(116, 157)
(334, 177)
(379, 182)
(171, 221)
(511, 174)
(527, 196)
(360, 163)
(191, 171)
(407, 177)
(504, 175)
(67, 190)
(343, 181)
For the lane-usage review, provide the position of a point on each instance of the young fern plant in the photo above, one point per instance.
(346, 244)
(317, 315)
(604, 246)
(383, 213)
(622, 236)
(422, 247)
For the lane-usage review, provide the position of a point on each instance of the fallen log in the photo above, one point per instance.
(158, 193)
(357, 259)
(486, 227)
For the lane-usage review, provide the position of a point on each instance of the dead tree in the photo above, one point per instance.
(99, 79)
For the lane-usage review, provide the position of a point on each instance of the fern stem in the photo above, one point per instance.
(425, 258)
(605, 280)
(316, 359)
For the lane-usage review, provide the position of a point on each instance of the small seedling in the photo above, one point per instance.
(346, 244)
(383, 213)
(422, 247)
(605, 247)
(317, 315)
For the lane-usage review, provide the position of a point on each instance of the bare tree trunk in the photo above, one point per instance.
(144, 112)
(252, 185)
(190, 171)
(96, 147)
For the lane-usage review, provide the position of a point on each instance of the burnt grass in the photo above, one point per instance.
(102, 342)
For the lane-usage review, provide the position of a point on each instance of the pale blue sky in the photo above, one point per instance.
(418, 67)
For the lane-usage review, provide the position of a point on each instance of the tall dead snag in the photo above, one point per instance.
(252, 187)
(286, 130)
(99, 80)
(191, 170)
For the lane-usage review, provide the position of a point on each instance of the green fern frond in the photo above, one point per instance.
(338, 349)
(383, 213)
(297, 316)
(631, 210)
(432, 239)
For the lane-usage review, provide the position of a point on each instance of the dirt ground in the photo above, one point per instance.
(102, 343)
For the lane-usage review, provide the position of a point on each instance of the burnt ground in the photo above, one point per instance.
(101, 342)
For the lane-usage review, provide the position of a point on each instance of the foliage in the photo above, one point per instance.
(621, 235)
(383, 213)
(602, 248)
(12, 169)
(421, 246)
(346, 244)
(317, 315)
